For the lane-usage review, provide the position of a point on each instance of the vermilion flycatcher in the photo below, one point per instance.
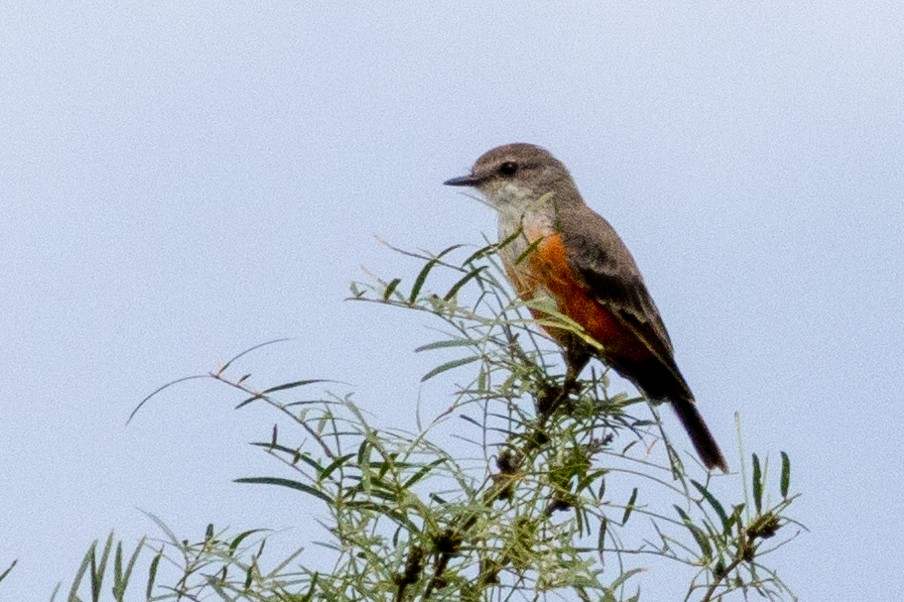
(570, 256)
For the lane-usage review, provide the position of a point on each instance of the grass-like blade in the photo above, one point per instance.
(445, 344)
(757, 484)
(700, 537)
(282, 387)
(629, 508)
(448, 366)
(121, 576)
(390, 288)
(786, 475)
(425, 271)
(287, 483)
(8, 569)
(457, 286)
(712, 501)
(152, 574)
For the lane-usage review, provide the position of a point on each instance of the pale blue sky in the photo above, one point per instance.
(183, 181)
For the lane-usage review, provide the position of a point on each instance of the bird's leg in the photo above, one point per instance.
(576, 358)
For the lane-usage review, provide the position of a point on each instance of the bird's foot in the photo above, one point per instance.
(552, 397)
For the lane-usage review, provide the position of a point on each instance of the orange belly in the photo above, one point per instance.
(546, 269)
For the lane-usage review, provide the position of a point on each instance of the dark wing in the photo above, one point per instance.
(609, 272)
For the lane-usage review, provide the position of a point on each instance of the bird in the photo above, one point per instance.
(562, 253)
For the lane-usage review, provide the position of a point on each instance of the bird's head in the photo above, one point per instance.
(515, 175)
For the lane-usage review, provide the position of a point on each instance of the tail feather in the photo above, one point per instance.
(703, 440)
(659, 379)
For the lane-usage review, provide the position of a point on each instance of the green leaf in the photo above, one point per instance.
(457, 286)
(287, 483)
(82, 569)
(390, 288)
(735, 518)
(161, 389)
(99, 569)
(786, 474)
(448, 366)
(419, 281)
(530, 249)
(757, 485)
(162, 526)
(282, 387)
(624, 577)
(152, 574)
(243, 353)
(712, 501)
(706, 550)
(292, 385)
(489, 249)
(425, 271)
(601, 535)
(445, 344)
(8, 569)
(420, 474)
(234, 544)
(121, 577)
(309, 595)
(630, 507)
(332, 466)
(249, 575)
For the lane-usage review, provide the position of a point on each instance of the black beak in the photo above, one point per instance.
(463, 181)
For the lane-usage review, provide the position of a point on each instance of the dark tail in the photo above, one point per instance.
(703, 440)
(659, 379)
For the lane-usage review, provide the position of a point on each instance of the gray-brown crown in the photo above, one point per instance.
(526, 166)
(528, 161)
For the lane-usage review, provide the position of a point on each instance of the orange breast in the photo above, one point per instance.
(546, 270)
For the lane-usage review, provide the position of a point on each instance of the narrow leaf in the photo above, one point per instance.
(287, 483)
(601, 536)
(160, 389)
(292, 385)
(282, 387)
(421, 278)
(152, 574)
(448, 366)
(8, 569)
(786, 474)
(757, 485)
(99, 569)
(630, 507)
(127, 575)
(162, 526)
(484, 251)
(309, 595)
(624, 577)
(340, 461)
(234, 544)
(457, 286)
(420, 474)
(390, 288)
(713, 502)
(699, 536)
(117, 569)
(444, 344)
(82, 569)
(249, 350)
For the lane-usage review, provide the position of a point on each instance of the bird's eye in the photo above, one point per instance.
(508, 168)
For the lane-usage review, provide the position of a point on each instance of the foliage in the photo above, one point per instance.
(522, 488)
